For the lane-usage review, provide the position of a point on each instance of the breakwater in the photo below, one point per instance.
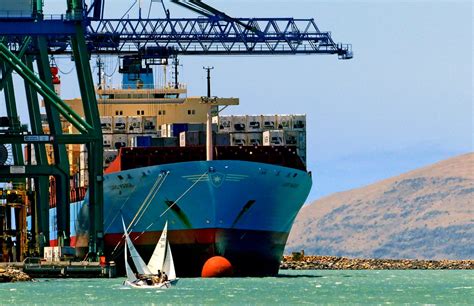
(13, 275)
(342, 263)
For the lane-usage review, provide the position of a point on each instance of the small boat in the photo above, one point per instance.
(160, 262)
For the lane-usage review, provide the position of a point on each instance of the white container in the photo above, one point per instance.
(239, 123)
(225, 124)
(254, 139)
(134, 124)
(164, 130)
(132, 140)
(83, 178)
(48, 253)
(109, 156)
(273, 138)
(149, 124)
(254, 123)
(107, 141)
(83, 157)
(269, 122)
(238, 139)
(119, 141)
(120, 124)
(106, 124)
(284, 122)
(299, 122)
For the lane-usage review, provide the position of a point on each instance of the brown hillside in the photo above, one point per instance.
(427, 213)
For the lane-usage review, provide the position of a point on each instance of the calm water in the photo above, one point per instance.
(291, 287)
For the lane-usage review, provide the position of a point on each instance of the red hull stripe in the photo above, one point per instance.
(200, 236)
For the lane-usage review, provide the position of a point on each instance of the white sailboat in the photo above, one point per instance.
(161, 260)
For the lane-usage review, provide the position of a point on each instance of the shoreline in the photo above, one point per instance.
(316, 262)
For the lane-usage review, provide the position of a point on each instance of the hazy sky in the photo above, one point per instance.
(403, 101)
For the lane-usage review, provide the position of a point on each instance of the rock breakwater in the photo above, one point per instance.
(10, 275)
(343, 263)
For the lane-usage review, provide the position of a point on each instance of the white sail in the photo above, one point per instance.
(137, 260)
(130, 276)
(158, 257)
(169, 263)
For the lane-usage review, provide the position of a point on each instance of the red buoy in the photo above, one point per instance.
(217, 266)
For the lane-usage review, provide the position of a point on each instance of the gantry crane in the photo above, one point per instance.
(84, 31)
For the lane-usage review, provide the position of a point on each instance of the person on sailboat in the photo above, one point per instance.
(164, 277)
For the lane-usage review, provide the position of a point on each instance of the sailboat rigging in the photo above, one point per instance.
(159, 272)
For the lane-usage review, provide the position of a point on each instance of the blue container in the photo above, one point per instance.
(143, 141)
(178, 128)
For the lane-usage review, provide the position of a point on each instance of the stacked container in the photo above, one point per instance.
(225, 124)
(238, 139)
(192, 138)
(254, 123)
(120, 124)
(254, 139)
(109, 156)
(107, 141)
(134, 124)
(119, 141)
(269, 122)
(83, 166)
(273, 138)
(284, 122)
(106, 124)
(299, 122)
(149, 124)
(239, 124)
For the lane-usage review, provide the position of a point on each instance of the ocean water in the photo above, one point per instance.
(290, 287)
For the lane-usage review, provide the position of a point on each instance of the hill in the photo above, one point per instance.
(427, 213)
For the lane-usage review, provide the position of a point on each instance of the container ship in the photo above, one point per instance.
(239, 204)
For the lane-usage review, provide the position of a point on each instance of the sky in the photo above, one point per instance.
(404, 101)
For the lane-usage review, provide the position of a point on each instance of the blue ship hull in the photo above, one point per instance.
(237, 209)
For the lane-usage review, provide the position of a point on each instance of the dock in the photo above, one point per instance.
(63, 269)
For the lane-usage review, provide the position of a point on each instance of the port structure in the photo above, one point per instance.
(83, 31)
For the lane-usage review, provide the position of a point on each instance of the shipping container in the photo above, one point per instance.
(239, 123)
(109, 156)
(120, 124)
(222, 139)
(119, 141)
(83, 178)
(299, 122)
(254, 123)
(273, 138)
(192, 138)
(134, 124)
(164, 130)
(107, 141)
(284, 122)
(106, 124)
(149, 124)
(225, 124)
(83, 157)
(254, 139)
(238, 139)
(268, 122)
(291, 138)
(199, 127)
(164, 142)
